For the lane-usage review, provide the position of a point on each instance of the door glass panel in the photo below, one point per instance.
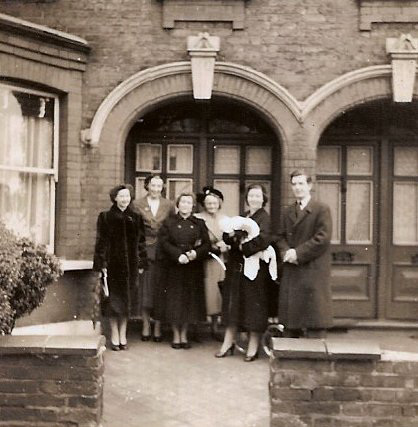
(258, 160)
(177, 186)
(405, 213)
(267, 187)
(359, 161)
(180, 158)
(230, 190)
(226, 159)
(148, 158)
(329, 192)
(359, 212)
(139, 187)
(329, 160)
(406, 161)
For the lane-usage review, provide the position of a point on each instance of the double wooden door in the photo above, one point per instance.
(193, 145)
(371, 185)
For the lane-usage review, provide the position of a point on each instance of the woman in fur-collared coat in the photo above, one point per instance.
(120, 255)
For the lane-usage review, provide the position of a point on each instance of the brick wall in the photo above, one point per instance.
(51, 381)
(341, 384)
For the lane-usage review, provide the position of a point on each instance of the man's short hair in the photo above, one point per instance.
(300, 172)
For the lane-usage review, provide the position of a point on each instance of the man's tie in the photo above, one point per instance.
(298, 209)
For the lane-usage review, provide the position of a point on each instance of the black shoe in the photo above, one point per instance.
(250, 358)
(229, 352)
(157, 339)
(123, 346)
(185, 345)
(176, 345)
(115, 347)
(145, 337)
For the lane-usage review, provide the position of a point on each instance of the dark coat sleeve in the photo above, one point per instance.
(319, 242)
(101, 249)
(263, 240)
(142, 252)
(203, 249)
(282, 243)
(169, 249)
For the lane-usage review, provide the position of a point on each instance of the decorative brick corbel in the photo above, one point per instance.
(203, 50)
(403, 52)
(85, 137)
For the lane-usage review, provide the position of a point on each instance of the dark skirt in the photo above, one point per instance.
(184, 295)
(245, 302)
(144, 295)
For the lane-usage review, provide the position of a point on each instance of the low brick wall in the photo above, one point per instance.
(324, 383)
(51, 380)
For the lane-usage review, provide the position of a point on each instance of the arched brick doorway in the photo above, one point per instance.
(223, 143)
(367, 170)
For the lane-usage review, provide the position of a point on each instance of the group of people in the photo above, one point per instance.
(178, 266)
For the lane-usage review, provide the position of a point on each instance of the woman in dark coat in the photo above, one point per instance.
(245, 302)
(120, 255)
(184, 244)
(154, 209)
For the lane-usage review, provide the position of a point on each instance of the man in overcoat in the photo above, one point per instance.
(305, 303)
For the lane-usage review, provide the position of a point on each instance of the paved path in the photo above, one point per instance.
(152, 385)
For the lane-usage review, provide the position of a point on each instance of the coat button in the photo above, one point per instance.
(179, 226)
(192, 226)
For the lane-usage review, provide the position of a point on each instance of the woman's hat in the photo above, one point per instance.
(208, 191)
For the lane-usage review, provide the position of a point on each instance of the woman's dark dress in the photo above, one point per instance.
(147, 295)
(120, 247)
(245, 302)
(183, 283)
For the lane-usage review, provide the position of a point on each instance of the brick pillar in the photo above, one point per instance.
(330, 383)
(51, 380)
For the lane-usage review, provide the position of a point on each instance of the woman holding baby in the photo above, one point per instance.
(245, 299)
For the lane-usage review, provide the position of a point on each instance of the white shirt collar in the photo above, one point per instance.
(303, 203)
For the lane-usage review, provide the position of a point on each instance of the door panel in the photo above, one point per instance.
(403, 251)
(346, 180)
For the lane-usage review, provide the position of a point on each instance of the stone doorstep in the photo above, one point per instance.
(88, 345)
(303, 348)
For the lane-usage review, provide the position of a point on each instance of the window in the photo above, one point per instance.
(28, 162)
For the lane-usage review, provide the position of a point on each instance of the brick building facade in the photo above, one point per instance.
(312, 84)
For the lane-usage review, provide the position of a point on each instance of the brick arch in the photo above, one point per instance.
(150, 88)
(344, 93)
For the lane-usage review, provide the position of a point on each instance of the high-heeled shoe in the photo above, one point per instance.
(185, 345)
(251, 358)
(176, 345)
(114, 347)
(123, 346)
(158, 338)
(228, 352)
(145, 337)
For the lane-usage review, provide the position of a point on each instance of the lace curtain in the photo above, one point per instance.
(26, 163)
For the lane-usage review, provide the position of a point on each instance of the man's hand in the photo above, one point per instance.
(291, 256)
(183, 259)
(191, 255)
(223, 247)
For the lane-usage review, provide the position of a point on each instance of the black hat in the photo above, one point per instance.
(208, 191)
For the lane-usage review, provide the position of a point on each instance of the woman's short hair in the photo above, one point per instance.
(115, 190)
(148, 179)
(263, 190)
(209, 191)
(300, 172)
(186, 194)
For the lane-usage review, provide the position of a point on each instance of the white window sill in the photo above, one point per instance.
(72, 265)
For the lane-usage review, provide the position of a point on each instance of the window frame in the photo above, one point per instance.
(52, 173)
